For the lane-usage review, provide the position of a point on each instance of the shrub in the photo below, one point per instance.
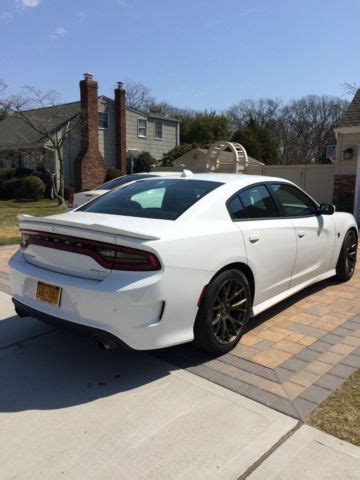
(32, 188)
(144, 162)
(112, 173)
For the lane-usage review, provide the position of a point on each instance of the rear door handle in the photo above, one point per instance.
(301, 234)
(254, 238)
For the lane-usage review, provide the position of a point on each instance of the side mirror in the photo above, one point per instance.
(326, 209)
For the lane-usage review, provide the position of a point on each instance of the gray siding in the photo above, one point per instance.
(107, 137)
(149, 144)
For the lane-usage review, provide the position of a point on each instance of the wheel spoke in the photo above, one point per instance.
(237, 304)
(217, 319)
(230, 311)
(236, 294)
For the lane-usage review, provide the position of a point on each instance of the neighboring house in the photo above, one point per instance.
(107, 134)
(196, 160)
(347, 132)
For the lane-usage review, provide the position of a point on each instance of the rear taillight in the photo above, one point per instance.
(71, 200)
(112, 257)
(125, 258)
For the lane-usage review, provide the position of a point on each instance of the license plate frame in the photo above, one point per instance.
(47, 293)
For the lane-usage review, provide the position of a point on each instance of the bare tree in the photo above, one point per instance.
(350, 88)
(266, 112)
(137, 95)
(52, 124)
(307, 125)
(301, 128)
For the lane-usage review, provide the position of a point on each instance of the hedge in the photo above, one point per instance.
(24, 188)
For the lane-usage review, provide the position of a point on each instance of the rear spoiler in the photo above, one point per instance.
(28, 221)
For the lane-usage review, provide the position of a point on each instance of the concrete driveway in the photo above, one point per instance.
(69, 410)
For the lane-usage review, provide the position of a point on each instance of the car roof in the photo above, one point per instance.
(154, 174)
(242, 180)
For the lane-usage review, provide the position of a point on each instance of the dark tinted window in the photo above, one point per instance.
(258, 202)
(294, 201)
(116, 182)
(163, 199)
(236, 209)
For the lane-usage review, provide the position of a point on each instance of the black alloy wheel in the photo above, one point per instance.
(345, 267)
(224, 312)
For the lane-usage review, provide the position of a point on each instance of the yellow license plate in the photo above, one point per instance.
(48, 293)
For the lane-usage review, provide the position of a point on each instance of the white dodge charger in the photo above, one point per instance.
(167, 260)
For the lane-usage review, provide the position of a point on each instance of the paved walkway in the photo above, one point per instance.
(294, 355)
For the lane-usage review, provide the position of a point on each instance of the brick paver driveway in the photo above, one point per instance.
(293, 356)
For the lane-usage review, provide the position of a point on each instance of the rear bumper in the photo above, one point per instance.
(25, 311)
(144, 310)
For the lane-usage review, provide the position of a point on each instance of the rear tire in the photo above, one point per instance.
(224, 312)
(345, 267)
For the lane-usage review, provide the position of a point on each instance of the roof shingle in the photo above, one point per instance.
(15, 132)
(352, 114)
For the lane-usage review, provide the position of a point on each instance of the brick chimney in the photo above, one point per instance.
(120, 127)
(91, 166)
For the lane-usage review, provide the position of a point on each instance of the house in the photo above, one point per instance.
(106, 133)
(196, 160)
(347, 132)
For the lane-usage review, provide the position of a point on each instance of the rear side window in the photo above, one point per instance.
(236, 209)
(162, 199)
(254, 202)
(258, 202)
(294, 202)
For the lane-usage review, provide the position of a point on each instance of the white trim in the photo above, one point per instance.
(108, 121)
(146, 127)
(162, 130)
(355, 129)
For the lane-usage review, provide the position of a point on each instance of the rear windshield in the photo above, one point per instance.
(116, 182)
(162, 199)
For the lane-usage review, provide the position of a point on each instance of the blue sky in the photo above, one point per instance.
(191, 53)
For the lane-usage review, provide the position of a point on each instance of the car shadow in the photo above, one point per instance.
(59, 369)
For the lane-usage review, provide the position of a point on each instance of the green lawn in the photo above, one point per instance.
(339, 414)
(9, 209)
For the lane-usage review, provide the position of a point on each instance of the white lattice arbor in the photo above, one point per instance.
(218, 164)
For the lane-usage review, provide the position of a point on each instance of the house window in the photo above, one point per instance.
(158, 130)
(103, 120)
(142, 128)
(348, 154)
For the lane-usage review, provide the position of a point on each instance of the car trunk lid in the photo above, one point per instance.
(70, 243)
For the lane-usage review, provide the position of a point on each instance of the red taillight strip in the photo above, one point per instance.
(90, 247)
